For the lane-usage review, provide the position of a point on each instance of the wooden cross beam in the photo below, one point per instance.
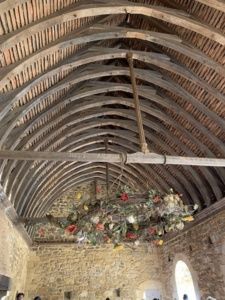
(134, 158)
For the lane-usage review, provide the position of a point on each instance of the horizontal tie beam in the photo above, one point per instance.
(138, 158)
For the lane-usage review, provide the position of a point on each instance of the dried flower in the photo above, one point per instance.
(78, 196)
(195, 207)
(118, 247)
(180, 225)
(131, 235)
(86, 208)
(188, 219)
(100, 227)
(158, 242)
(124, 197)
(98, 189)
(41, 232)
(156, 199)
(95, 220)
(131, 219)
(135, 226)
(71, 228)
(152, 230)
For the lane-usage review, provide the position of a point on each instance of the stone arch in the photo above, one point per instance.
(182, 257)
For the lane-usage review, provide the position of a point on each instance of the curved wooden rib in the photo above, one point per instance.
(75, 172)
(39, 172)
(106, 33)
(45, 186)
(81, 169)
(85, 128)
(92, 10)
(102, 71)
(146, 93)
(180, 185)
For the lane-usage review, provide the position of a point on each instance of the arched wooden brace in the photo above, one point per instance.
(44, 179)
(175, 17)
(105, 33)
(88, 177)
(67, 179)
(27, 193)
(82, 128)
(59, 171)
(50, 174)
(17, 173)
(201, 146)
(72, 173)
(140, 77)
(92, 104)
(148, 76)
(81, 139)
(203, 108)
(84, 179)
(128, 103)
(85, 140)
(39, 192)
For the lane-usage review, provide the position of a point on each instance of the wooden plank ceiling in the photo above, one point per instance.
(65, 86)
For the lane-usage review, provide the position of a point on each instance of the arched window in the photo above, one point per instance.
(184, 281)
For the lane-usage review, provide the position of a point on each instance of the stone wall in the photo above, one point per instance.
(92, 273)
(202, 249)
(14, 254)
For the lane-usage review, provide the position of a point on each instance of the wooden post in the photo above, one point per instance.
(143, 144)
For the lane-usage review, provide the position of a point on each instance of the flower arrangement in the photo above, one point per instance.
(129, 217)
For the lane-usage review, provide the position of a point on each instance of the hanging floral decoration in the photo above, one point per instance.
(129, 217)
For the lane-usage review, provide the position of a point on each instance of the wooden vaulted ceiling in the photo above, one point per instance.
(65, 86)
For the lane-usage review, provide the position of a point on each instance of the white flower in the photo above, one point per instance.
(137, 243)
(95, 220)
(195, 206)
(111, 226)
(131, 219)
(180, 226)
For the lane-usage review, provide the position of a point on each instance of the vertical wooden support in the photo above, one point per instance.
(143, 144)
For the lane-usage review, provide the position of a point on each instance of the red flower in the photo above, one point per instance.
(152, 230)
(71, 228)
(156, 199)
(41, 232)
(124, 197)
(98, 189)
(100, 227)
(131, 236)
(106, 238)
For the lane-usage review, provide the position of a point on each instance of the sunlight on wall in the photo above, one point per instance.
(184, 281)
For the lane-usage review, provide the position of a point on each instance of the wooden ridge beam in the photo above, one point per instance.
(138, 158)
